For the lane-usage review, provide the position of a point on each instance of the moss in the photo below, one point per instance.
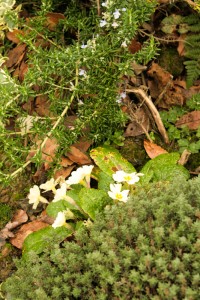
(147, 248)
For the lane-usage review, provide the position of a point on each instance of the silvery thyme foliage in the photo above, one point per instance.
(80, 70)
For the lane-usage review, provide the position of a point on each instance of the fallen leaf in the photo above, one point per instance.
(42, 105)
(152, 149)
(20, 216)
(25, 230)
(12, 35)
(78, 156)
(53, 19)
(15, 56)
(191, 120)
(64, 172)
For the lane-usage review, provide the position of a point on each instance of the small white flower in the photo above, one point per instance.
(35, 197)
(79, 175)
(83, 46)
(49, 185)
(60, 220)
(82, 72)
(130, 178)
(123, 9)
(102, 23)
(115, 24)
(104, 4)
(119, 99)
(60, 193)
(116, 14)
(124, 44)
(116, 194)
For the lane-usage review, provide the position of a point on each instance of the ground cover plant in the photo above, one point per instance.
(93, 110)
(147, 248)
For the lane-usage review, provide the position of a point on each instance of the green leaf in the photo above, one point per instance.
(93, 201)
(109, 160)
(104, 181)
(39, 240)
(54, 207)
(163, 167)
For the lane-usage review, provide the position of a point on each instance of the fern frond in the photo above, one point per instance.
(193, 71)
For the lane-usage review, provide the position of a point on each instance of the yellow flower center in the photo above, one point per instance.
(118, 196)
(127, 178)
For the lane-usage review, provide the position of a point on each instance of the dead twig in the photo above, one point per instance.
(144, 97)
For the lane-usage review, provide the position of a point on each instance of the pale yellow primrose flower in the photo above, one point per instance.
(130, 178)
(79, 175)
(35, 197)
(60, 220)
(116, 194)
(60, 193)
(49, 185)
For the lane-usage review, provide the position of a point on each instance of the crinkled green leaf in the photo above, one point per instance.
(163, 167)
(39, 240)
(54, 207)
(109, 160)
(93, 201)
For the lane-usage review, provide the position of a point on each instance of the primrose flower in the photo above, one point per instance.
(116, 194)
(60, 193)
(60, 220)
(130, 178)
(79, 175)
(116, 14)
(102, 23)
(35, 197)
(49, 185)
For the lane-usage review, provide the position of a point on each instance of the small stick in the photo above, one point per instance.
(154, 111)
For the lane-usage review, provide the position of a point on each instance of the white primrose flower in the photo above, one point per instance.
(35, 197)
(116, 194)
(79, 175)
(115, 24)
(49, 185)
(60, 193)
(60, 220)
(116, 14)
(130, 178)
(102, 23)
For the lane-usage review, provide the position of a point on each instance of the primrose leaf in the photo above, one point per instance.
(38, 241)
(93, 201)
(109, 160)
(163, 167)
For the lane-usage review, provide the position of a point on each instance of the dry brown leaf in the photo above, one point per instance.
(25, 230)
(53, 19)
(78, 156)
(65, 162)
(64, 172)
(15, 56)
(191, 120)
(20, 216)
(42, 106)
(152, 149)
(83, 144)
(12, 35)
(181, 44)
(134, 46)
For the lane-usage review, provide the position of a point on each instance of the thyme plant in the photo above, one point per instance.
(79, 66)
